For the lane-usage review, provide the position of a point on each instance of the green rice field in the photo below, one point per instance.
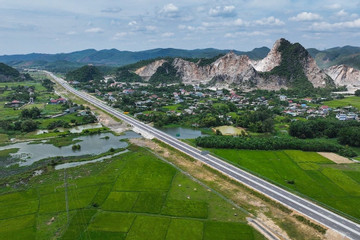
(132, 196)
(347, 101)
(308, 173)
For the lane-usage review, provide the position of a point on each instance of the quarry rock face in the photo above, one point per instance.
(272, 60)
(238, 71)
(148, 70)
(344, 76)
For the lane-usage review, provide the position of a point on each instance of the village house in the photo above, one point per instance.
(14, 104)
(57, 101)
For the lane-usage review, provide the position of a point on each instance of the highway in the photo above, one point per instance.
(319, 214)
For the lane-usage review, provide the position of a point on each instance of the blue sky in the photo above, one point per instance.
(63, 26)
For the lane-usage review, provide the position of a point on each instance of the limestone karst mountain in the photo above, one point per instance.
(345, 76)
(286, 65)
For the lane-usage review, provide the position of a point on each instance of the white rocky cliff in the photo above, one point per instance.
(149, 70)
(272, 60)
(315, 75)
(345, 76)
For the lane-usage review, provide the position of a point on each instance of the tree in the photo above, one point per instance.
(350, 136)
(357, 93)
(28, 126)
(33, 113)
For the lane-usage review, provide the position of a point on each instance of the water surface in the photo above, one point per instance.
(29, 153)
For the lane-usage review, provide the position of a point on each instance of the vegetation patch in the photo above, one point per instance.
(149, 202)
(297, 170)
(273, 143)
(112, 222)
(311, 224)
(185, 229)
(101, 208)
(186, 208)
(144, 225)
(120, 201)
(223, 230)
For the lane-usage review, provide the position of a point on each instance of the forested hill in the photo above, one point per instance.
(85, 74)
(9, 74)
(347, 55)
(8, 71)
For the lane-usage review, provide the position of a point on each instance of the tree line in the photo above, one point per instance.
(347, 132)
(273, 143)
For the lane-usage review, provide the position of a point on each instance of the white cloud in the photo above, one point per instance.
(270, 21)
(71, 33)
(111, 10)
(246, 34)
(240, 22)
(167, 34)
(306, 16)
(150, 28)
(94, 30)
(341, 13)
(190, 28)
(235, 23)
(334, 6)
(225, 11)
(325, 26)
(132, 23)
(170, 10)
(120, 35)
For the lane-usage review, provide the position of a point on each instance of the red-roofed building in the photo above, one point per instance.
(14, 104)
(324, 107)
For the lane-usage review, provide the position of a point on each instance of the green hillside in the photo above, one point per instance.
(85, 74)
(9, 74)
(165, 74)
(347, 55)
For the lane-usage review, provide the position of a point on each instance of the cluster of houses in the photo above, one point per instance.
(297, 109)
(198, 98)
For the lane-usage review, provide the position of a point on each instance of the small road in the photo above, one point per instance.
(319, 214)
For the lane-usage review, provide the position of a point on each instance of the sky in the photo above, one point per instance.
(52, 26)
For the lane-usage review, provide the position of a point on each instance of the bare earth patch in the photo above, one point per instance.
(335, 157)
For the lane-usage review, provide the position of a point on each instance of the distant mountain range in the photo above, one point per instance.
(347, 55)
(286, 65)
(114, 57)
(64, 62)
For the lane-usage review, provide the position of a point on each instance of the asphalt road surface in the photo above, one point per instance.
(319, 214)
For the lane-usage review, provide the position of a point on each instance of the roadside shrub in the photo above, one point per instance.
(311, 224)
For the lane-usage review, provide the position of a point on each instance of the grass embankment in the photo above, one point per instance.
(308, 173)
(132, 196)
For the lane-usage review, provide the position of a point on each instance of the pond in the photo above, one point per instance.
(29, 152)
(75, 164)
(77, 129)
(183, 133)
